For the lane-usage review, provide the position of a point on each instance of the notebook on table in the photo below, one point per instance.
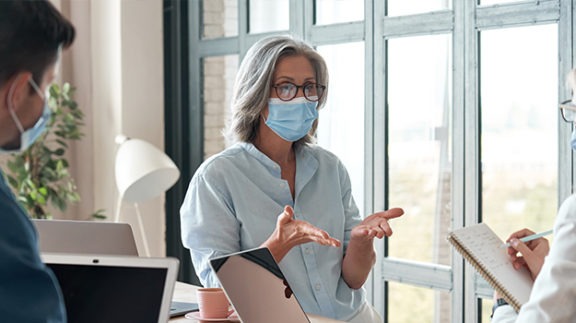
(482, 248)
(256, 288)
(114, 288)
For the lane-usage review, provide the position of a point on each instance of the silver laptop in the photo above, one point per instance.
(86, 237)
(256, 288)
(96, 238)
(114, 288)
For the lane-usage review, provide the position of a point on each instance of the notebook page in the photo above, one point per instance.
(485, 246)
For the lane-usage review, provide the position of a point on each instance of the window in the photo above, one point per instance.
(341, 122)
(410, 7)
(419, 145)
(266, 15)
(519, 127)
(218, 79)
(219, 18)
(454, 119)
(338, 11)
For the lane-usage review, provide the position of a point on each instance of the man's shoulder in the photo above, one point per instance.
(16, 229)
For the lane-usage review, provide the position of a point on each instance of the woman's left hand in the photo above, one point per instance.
(376, 225)
(360, 255)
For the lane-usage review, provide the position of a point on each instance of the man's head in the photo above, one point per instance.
(32, 34)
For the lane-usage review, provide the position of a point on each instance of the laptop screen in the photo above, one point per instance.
(102, 291)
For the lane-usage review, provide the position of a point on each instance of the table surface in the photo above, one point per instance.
(187, 293)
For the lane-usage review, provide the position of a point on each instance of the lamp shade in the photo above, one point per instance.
(142, 170)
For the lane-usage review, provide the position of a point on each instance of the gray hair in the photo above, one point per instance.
(254, 80)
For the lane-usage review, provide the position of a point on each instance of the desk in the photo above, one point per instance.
(187, 293)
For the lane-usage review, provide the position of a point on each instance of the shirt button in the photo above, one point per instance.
(308, 251)
(317, 287)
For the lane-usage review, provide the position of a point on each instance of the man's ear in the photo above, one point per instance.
(16, 90)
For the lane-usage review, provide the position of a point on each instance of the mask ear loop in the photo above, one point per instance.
(11, 108)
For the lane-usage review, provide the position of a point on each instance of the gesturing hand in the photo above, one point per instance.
(290, 232)
(360, 255)
(529, 254)
(294, 232)
(376, 225)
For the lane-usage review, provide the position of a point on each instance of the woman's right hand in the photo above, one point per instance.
(290, 232)
(529, 254)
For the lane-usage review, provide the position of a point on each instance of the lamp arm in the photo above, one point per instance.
(118, 208)
(142, 232)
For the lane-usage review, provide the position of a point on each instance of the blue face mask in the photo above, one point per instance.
(29, 136)
(291, 120)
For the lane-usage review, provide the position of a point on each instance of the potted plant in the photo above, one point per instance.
(40, 175)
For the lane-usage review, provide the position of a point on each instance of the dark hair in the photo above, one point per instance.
(31, 33)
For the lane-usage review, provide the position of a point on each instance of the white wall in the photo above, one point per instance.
(116, 63)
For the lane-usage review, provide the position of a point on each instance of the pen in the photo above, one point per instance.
(529, 238)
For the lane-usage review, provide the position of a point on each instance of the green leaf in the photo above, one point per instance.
(40, 176)
(43, 191)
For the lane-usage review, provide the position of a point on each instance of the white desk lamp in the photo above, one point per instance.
(142, 172)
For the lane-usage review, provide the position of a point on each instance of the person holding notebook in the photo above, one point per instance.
(274, 188)
(554, 291)
(32, 34)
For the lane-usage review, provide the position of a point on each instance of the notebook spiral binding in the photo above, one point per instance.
(485, 274)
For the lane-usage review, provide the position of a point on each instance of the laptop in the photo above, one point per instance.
(96, 238)
(256, 287)
(114, 288)
(86, 237)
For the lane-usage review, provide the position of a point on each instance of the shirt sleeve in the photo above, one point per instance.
(554, 291)
(504, 314)
(209, 226)
(351, 213)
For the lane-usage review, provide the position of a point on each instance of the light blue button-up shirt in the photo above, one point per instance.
(233, 203)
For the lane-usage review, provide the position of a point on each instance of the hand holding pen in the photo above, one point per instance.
(530, 237)
(528, 249)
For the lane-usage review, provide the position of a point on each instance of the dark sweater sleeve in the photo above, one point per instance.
(29, 291)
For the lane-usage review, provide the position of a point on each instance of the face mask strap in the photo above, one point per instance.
(11, 109)
(37, 88)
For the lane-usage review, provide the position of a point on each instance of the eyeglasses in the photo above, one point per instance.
(287, 91)
(568, 110)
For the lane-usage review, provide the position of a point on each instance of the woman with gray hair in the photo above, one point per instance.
(274, 188)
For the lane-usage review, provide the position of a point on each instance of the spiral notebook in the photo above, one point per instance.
(481, 247)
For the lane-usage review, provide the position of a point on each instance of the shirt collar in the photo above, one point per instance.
(306, 163)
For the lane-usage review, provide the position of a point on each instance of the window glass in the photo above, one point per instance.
(341, 121)
(219, 74)
(491, 2)
(417, 304)
(410, 7)
(486, 309)
(519, 118)
(219, 18)
(419, 105)
(336, 11)
(419, 114)
(269, 15)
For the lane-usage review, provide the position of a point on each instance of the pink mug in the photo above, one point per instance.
(213, 303)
